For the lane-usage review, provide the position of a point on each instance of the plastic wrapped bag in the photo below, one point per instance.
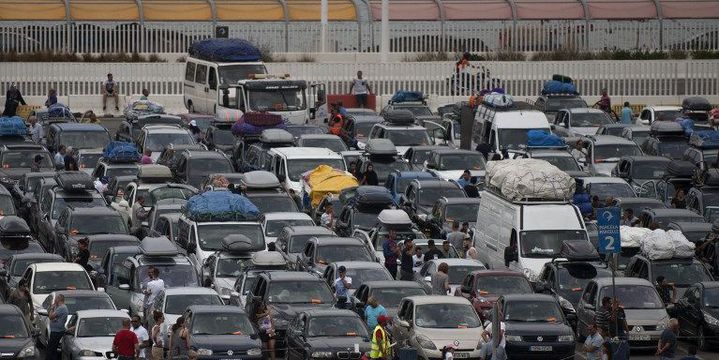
(529, 179)
(657, 245)
(632, 236)
(683, 248)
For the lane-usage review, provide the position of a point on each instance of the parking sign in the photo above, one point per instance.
(608, 219)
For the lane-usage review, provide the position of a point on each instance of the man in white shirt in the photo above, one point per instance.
(578, 152)
(35, 130)
(143, 337)
(328, 217)
(154, 286)
(359, 87)
(343, 283)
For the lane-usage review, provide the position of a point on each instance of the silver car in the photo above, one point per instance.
(429, 323)
(91, 333)
(644, 309)
(174, 301)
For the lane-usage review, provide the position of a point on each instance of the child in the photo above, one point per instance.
(448, 352)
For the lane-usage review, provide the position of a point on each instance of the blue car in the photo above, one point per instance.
(397, 181)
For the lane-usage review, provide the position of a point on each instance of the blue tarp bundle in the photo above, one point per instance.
(687, 124)
(225, 50)
(407, 96)
(705, 139)
(240, 128)
(543, 138)
(558, 87)
(12, 126)
(221, 206)
(58, 110)
(121, 152)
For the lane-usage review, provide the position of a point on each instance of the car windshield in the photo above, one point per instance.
(24, 159)
(361, 276)
(384, 168)
(223, 137)
(273, 203)
(19, 265)
(461, 162)
(77, 303)
(98, 224)
(277, 100)
(174, 275)
(513, 139)
(532, 311)
(298, 166)
(408, 137)
(649, 169)
(573, 278)
(336, 326)
(682, 273)
(232, 267)
(200, 168)
(461, 212)
(221, 324)
(231, 74)
(99, 326)
(167, 192)
(334, 253)
(12, 327)
(88, 161)
(86, 202)
(611, 130)
(604, 190)
(497, 285)
(390, 297)
(546, 243)
(211, 235)
(558, 103)
(673, 149)
(46, 282)
(667, 115)
(157, 141)
(6, 206)
(446, 316)
(634, 296)
(84, 139)
(612, 153)
(299, 292)
(362, 129)
(564, 163)
(365, 219)
(711, 297)
(99, 248)
(428, 196)
(420, 156)
(176, 304)
(115, 171)
(273, 227)
(336, 145)
(590, 119)
(297, 243)
(458, 272)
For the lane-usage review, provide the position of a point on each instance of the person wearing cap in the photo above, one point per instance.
(343, 282)
(13, 98)
(380, 348)
(195, 131)
(83, 254)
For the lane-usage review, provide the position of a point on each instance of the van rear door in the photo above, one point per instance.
(190, 87)
(201, 88)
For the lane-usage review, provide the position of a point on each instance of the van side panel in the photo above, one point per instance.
(496, 219)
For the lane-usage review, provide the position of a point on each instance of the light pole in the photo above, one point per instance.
(384, 45)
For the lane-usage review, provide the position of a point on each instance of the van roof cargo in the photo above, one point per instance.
(680, 169)
(705, 139)
(158, 247)
(696, 103)
(380, 147)
(74, 181)
(13, 226)
(276, 136)
(394, 217)
(259, 179)
(666, 128)
(154, 173)
(399, 117)
(239, 244)
(578, 250)
(225, 50)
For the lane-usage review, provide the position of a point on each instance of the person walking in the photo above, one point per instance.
(267, 328)
(36, 130)
(109, 89)
(627, 117)
(59, 157)
(370, 176)
(455, 237)
(343, 283)
(391, 251)
(440, 280)
(373, 311)
(359, 87)
(157, 334)
(154, 286)
(380, 342)
(57, 313)
(593, 343)
(178, 348)
(13, 98)
(143, 337)
(20, 297)
(406, 268)
(667, 345)
(125, 343)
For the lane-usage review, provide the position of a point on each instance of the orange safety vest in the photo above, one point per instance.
(337, 124)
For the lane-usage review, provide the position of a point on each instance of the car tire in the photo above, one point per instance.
(701, 340)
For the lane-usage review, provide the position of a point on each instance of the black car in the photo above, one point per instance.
(388, 293)
(23, 192)
(77, 136)
(15, 266)
(292, 240)
(680, 272)
(272, 201)
(250, 153)
(361, 210)
(550, 104)
(535, 327)
(170, 155)
(664, 216)
(638, 204)
(704, 201)
(637, 170)
(113, 256)
(219, 137)
(667, 139)
(333, 334)
(98, 245)
(693, 231)
(698, 314)
(110, 169)
(7, 204)
(220, 331)
(75, 223)
(17, 160)
(16, 336)
(383, 159)
(17, 242)
(417, 155)
(130, 129)
(194, 165)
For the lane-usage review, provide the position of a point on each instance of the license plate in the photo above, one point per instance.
(461, 355)
(540, 348)
(639, 337)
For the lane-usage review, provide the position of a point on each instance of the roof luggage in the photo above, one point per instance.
(399, 117)
(696, 103)
(373, 196)
(153, 173)
(13, 226)
(245, 127)
(238, 243)
(220, 206)
(74, 181)
(225, 50)
(680, 169)
(394, 219)
(158, 246)
(121, 152)
(562, 78)
(402, 96)
(659, 245)
(705, 139)
(558, 87)
(666, 128)
(139, 108)
(268, 259)
(259, 179)
(324, 180)
(276, 136)
(380, 147)
(543, 138)
(632, 236)
(498, 100)
(578, 250)
(261, 119)
(529, 179)
(12, 126)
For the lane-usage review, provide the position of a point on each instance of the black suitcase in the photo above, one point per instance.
(373, 196)
(666, 128)
(74, 181)
(680, 169)
(13, 226)
(562, 78)
(399, 117)
(696, 103)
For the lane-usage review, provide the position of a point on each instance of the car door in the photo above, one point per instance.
(687, 307)
(120, 278)
(586, 308)
(212, 83)
(294, 342)
(400, 332)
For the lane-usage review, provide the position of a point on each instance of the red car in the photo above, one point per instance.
(483, 287)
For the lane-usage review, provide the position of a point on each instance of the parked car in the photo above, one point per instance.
(484, 287)
(697, 313)
(389, 293)
(16, 334)
(332, 333)
(92, 333)
(220, 330)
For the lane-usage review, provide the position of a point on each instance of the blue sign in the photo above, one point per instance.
(608, 220)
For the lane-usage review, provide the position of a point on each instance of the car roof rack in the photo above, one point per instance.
(159, 246)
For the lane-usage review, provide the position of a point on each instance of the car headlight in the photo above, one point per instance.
(89, 353)
(27, 352)
(711, 320)
(254, 352)
(513, 338)
(566, 304)
(204, 352)
(565, 338)
(426, 343)
(322, 354)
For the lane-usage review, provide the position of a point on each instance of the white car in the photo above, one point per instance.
(274, 222)
(45, 278)
(458, 268)
(91, 333)
(75, 300)
(173, 302)
(651, 113)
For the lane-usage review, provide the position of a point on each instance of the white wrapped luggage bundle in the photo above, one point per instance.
(662, 245)
(632, 236)
(525, 179)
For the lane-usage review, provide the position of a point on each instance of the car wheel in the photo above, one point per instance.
(701, 340)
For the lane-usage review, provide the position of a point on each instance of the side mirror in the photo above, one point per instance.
(403, 323)
(465, 289)
(124, 287)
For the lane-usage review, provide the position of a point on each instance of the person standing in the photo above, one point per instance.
(157, 334)
(380, 342)
(343, 283)
(36, 130)
(667, 291)
(455, 237)
(20, 297)
(578, 151)
(601, 318)
(13, 98)
(440, 280)
(145, 94)
(433, 252)
(328, 217)
(593, 343)
(267, 328)
(679, 201)
(139, 214)
(406, 268)
(51, 98)
(125, 343)
(83, 254)
(667, 345)
(391, 251)
(178, 340)
(195, 131)
(605, 103)
(69, 160)
(154, 286)
(143, 337)
(146, 157)
(470, 252)
(373, 311)
(59, 157)
(359, 87)
(627, 117)
(417, 258)
(57, 313)
(370, 176)
(109, 89)
(629, 219)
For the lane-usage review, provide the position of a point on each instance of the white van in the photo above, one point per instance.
(538, 227)
(275, 94)
(506, 130)
(203, 79)
(289, 163)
